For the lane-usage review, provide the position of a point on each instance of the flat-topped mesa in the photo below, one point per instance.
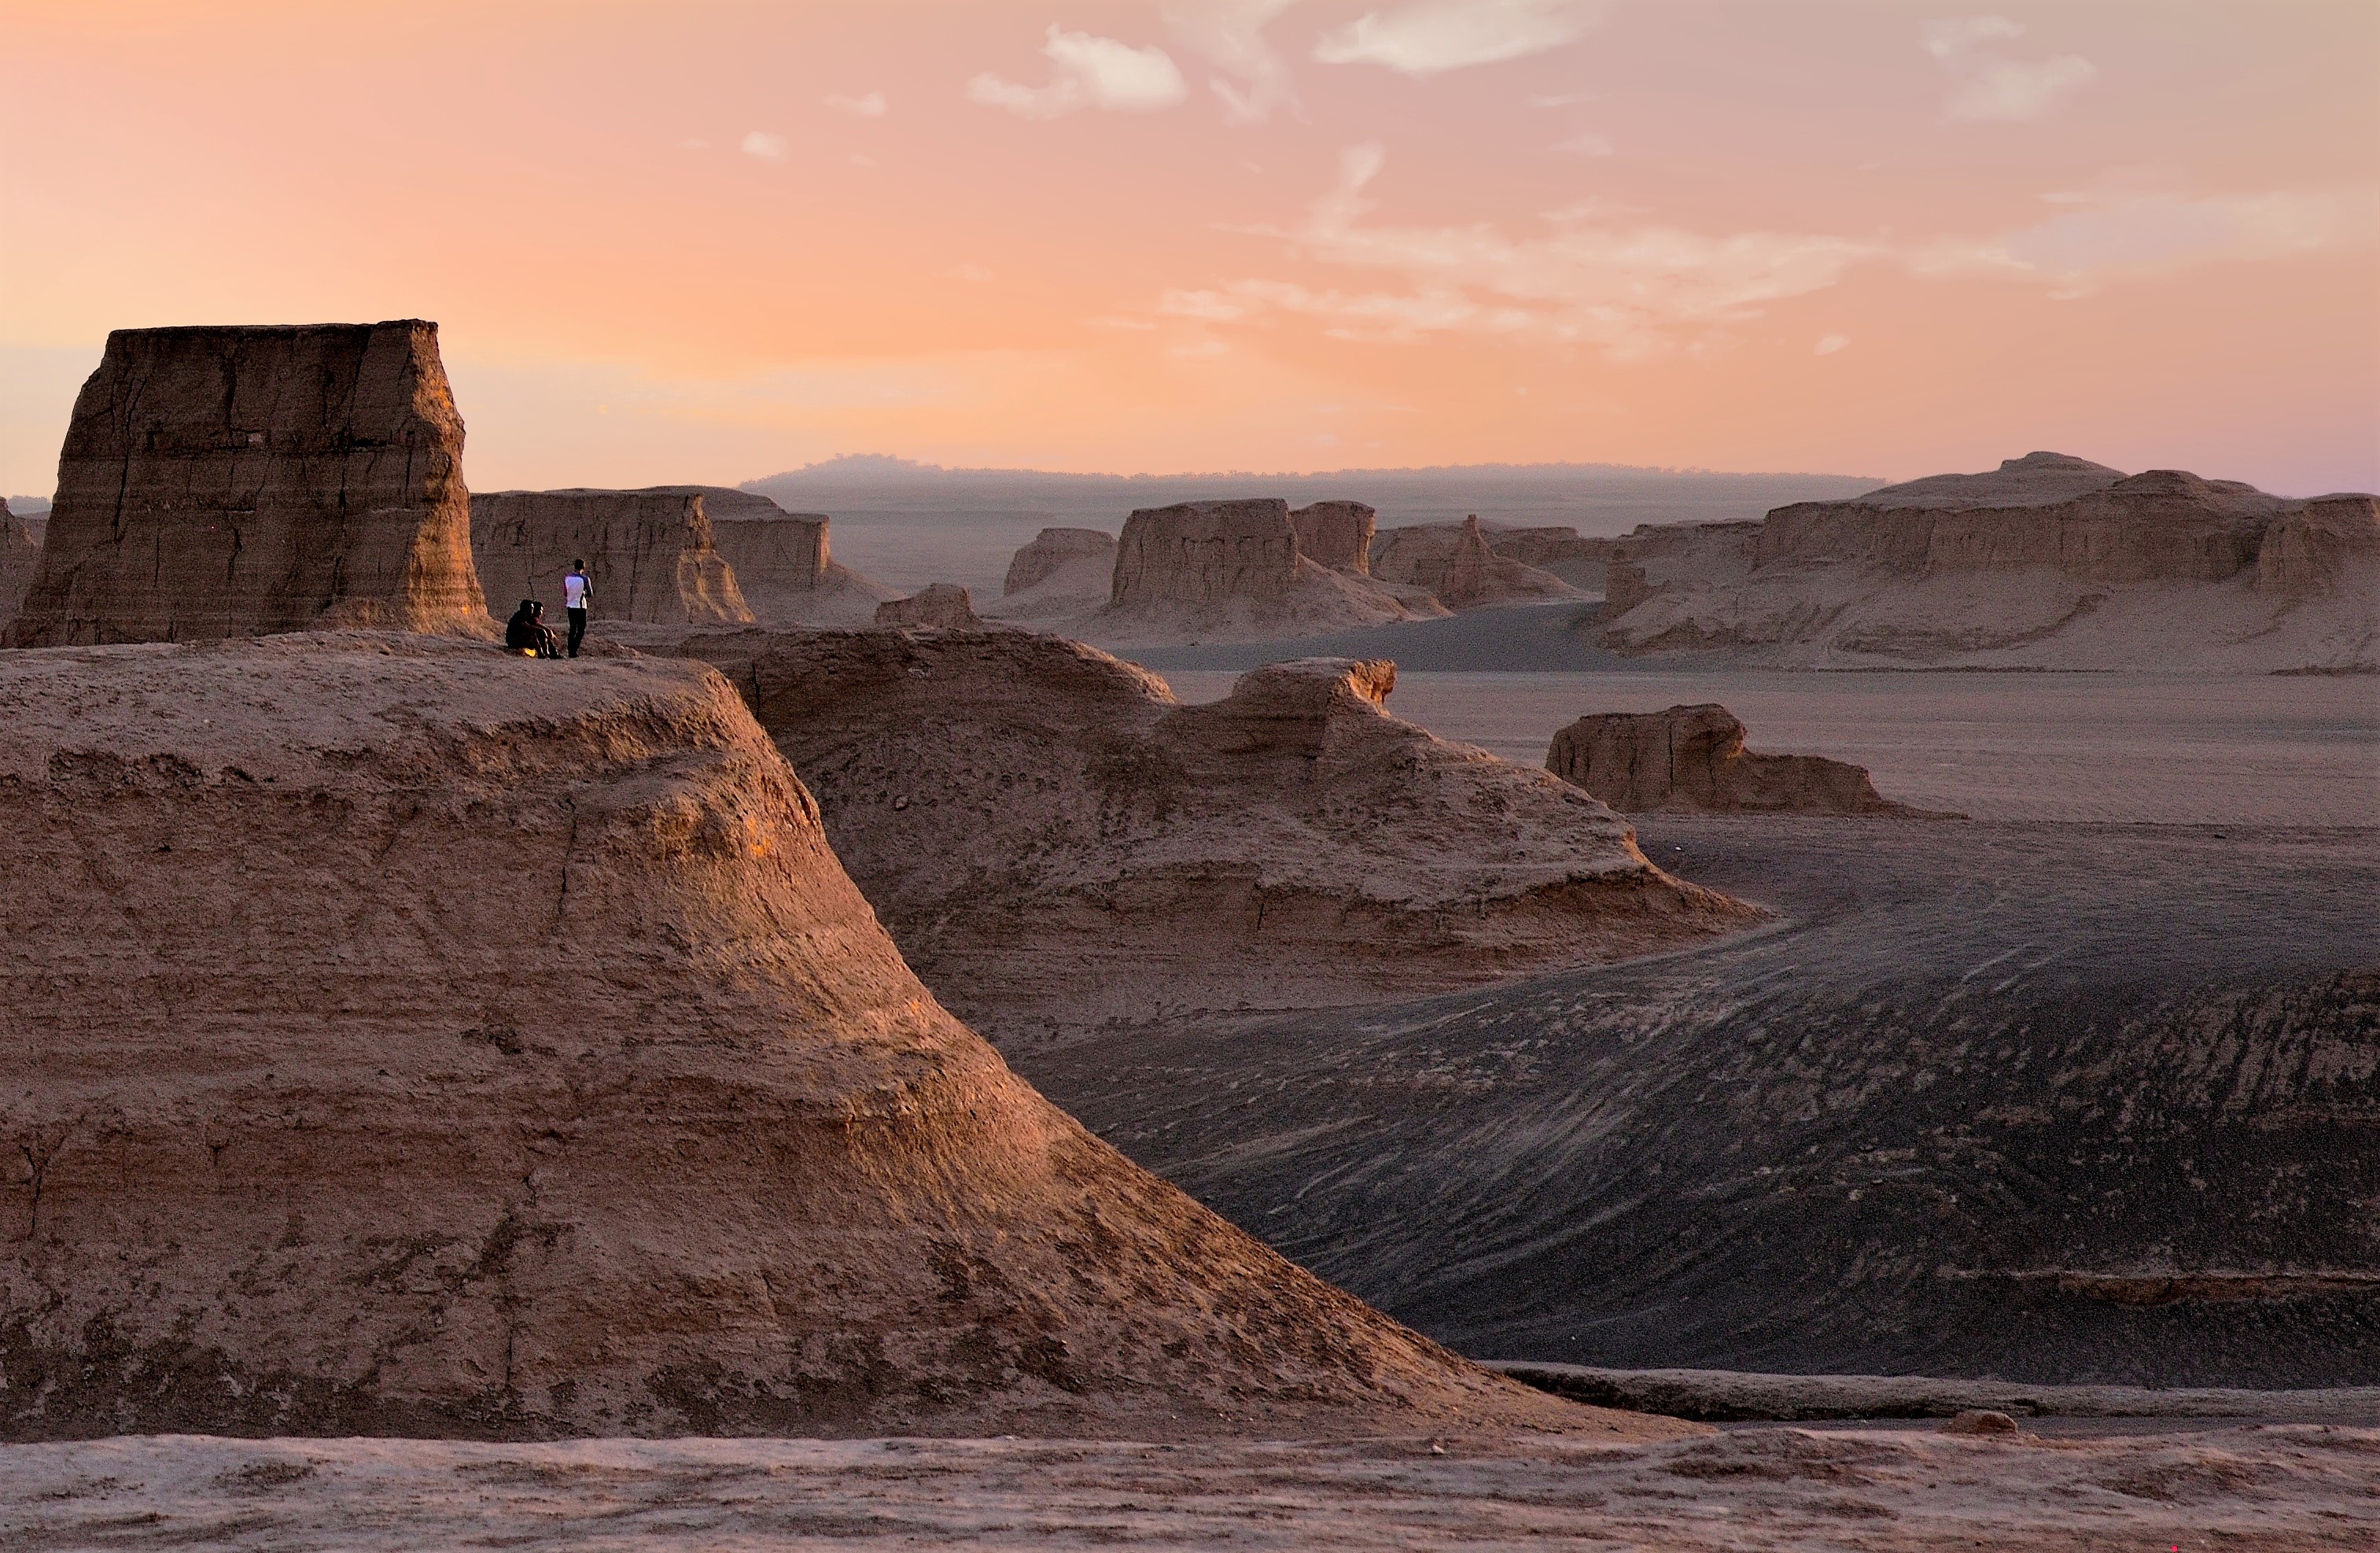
(1055, 843)
(1216, 571)
(1204, 553)
(2049, 561)
(650, 555)
(937, 606)
(1455, 562)
(228, 481)
(1056, 550)
(458, 1050)
(1336, 535)
(1691, 760)
(20, 558)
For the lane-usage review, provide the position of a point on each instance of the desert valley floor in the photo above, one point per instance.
(1580, 1167)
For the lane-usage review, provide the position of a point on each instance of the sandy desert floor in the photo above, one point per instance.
(2273, 1489)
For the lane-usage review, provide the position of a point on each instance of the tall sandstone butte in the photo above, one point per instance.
(240, 480)
(1336, 535)
(401, 1042)
(19, 558)
(649, 555)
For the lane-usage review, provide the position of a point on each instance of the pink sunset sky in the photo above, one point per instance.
(708, 241)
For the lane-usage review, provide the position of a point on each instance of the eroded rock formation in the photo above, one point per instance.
(238, 482)
(1056, 550)
(2049, 561)
(649, 555)
(1455, 563)
(1216, 571)
(939, 606)
(1336, 535)
(1054, 842)
(783, 563)
(19, 558)
(1692, 760)
(404, 1040)
(1561, 552)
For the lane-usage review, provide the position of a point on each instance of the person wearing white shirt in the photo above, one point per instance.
(574, 593)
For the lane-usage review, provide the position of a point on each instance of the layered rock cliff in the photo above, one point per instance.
(2049, 561)
(241, 480)
(1054, 842)
(408, 1040)
(1456, 564)
(649, 555)
(1221, 571)
(1691, 760)
(782, 561)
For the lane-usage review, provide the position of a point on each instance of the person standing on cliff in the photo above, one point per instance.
(574, 593)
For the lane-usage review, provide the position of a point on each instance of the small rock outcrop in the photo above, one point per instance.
(1055, 842)
(649, 555)
(1336, 535)
(243, 481)
(940, 606)
(404, 1040)
(1056, 550)
(20, 556)
(1691, 760)
(1455, 563)
(2049, 561)
(1561, 552)
(1221, 570)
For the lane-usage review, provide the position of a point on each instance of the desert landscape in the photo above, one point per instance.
(1471, 980)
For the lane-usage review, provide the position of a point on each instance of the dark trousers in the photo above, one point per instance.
(577, 629)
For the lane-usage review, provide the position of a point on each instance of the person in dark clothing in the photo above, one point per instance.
(528, 632)
(574, 592)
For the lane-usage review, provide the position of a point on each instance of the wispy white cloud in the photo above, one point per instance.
(767, 147)
(2132, 236)
(1955, 35)
(1253, 80)
(1604, 277)
(1993, 87)
(1090, 73)
(970, 272)
(1559, 99)
(1587, 145)
(870, 106)
(1428, 36)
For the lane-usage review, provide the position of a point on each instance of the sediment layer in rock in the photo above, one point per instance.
(2048, 562)
(1691, 760)
(408, 1039)
(649, 555)
(242, 481)
(1054, 842)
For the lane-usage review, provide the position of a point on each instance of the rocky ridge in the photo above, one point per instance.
(939, 606)
(2049, 561)
(241, 480)
(410, 1041)
(1456, 564)
(1691, 760)
(1056, 843)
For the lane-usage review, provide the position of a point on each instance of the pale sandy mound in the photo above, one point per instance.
(650, 555)
(237, 481)
(1063, 575)
(2050, 562)
(1054, 842)
(409, 1038)
(1691, 760)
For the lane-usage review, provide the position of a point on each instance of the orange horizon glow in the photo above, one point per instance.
(712, 241)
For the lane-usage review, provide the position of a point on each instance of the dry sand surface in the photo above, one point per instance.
(2273, 1490)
